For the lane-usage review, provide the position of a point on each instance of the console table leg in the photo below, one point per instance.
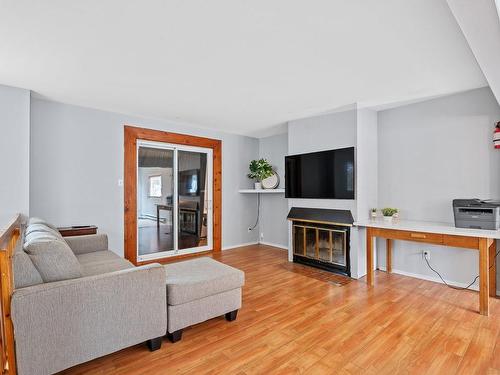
(388, 257)
(493, 269)
(484, 283)
(369, 257)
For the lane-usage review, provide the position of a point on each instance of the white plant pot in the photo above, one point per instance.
(388, 219)
(258, 186)
(373, 215)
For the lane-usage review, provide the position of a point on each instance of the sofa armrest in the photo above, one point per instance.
(88, 243)
(58, 325)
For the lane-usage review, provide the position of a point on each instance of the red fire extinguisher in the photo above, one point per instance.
(496, 136)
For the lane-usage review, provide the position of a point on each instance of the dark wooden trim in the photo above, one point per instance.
(131, 135)
(77, 231)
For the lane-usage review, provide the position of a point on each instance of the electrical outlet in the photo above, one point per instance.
(262, 236)
(426, 254)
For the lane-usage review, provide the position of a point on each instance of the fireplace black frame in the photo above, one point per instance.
(323, 219)
(327, 266)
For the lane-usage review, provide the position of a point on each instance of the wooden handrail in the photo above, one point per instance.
(7, 229)
(9, 235)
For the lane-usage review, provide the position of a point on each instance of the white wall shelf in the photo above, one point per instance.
(262, 191)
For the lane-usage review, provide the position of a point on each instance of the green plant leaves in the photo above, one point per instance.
(260, 169)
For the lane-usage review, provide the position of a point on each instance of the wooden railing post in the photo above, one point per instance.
(8, 239)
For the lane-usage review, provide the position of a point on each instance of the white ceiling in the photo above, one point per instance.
(238, 66)
(480, 23)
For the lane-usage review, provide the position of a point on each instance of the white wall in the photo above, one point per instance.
(273, 226)
(14, 150)
(366, 179)
(77, 160)
(429, 154)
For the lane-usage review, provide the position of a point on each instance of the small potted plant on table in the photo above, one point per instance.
(389, 213)
(259, 170)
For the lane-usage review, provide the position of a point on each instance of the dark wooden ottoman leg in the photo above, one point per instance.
(175, 336)
(154, 344)
(230, 316)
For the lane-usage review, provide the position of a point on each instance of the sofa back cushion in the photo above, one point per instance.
(37, 220)
(42, 228)
(51, 256)
(25, 273)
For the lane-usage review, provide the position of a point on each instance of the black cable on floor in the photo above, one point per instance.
(458, 287)
(258, 213)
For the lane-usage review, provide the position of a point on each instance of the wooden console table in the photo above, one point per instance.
(438, 234)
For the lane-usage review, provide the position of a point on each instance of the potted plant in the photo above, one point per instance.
(259, 170)
(373, 213)
(388, 213)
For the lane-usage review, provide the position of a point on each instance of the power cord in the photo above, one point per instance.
(457, 287)
(258, 213)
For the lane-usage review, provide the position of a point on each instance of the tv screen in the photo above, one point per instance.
(188, 182)
(321, 175)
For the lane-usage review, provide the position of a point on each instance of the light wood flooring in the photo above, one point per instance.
(292, 323)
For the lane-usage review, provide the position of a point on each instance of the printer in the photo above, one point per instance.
(476, 213)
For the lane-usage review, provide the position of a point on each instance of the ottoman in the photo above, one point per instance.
(198, 290)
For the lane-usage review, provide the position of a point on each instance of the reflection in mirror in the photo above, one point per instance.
(155, 191)
(192, 198)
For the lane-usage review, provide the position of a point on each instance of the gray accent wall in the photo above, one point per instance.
(14, 151)
(273, 226)
(77, 160)
(326, 132)
(428, 154)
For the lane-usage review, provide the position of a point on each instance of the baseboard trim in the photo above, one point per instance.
(239, 245)
(430, 278)
(273, 245)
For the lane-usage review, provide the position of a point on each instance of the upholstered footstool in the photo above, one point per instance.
(198, 290)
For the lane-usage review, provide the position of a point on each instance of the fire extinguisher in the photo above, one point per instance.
(496, 136)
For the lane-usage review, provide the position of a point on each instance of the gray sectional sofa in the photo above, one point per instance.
(75, 300)
(80, 301)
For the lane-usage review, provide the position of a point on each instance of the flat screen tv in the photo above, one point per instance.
(320, 175)
(189, 182)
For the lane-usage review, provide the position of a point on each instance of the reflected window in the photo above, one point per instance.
(155, 186)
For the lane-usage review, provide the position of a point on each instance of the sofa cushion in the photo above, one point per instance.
(25, 273)
(42, 228)
(52, 257)
(37, 220)
(99, 262)
(198, 278)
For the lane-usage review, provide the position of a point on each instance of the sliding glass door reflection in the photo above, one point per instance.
(193, 199)
(155, 203)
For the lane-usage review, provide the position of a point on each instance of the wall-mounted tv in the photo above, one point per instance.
(320, 175)
(189, 182)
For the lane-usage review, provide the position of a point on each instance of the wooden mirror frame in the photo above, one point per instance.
(131, 135)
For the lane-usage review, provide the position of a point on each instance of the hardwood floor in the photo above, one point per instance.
(293, 323)
(153, 239)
